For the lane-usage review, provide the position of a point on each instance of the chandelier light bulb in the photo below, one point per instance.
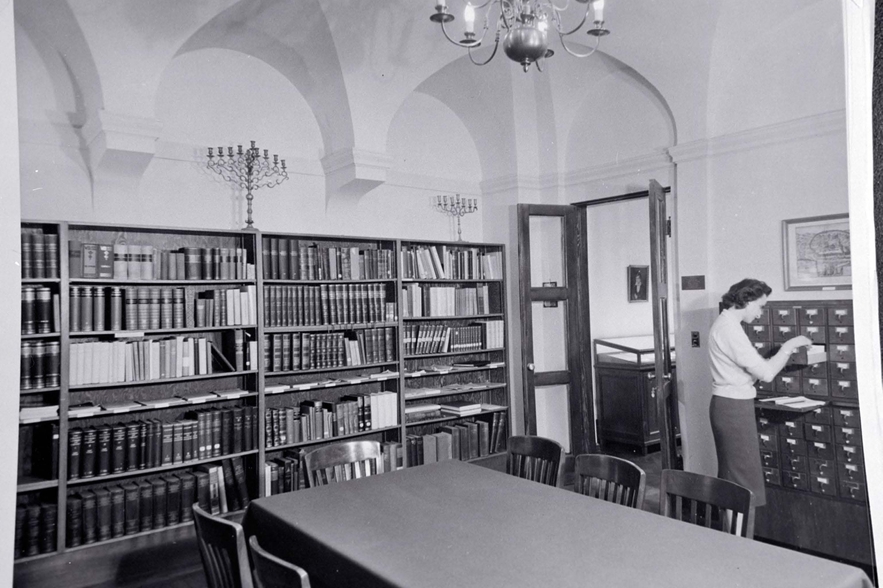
(524, 28)
(599, 10)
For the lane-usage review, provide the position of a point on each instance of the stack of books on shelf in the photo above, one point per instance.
(327, 304)
(460, 408)
(411, 393)
(107, 362)
(40, 364)
(34, 414)
(35, 529)
(285, 352)
(145, 444)
(38, 452)
(415, 413)
(426, 338)
(39, 254)
(291, 259)
(101, 513)
(121, 261)
(40, 312)
(440, 301)
(317, 419)
(442, 262)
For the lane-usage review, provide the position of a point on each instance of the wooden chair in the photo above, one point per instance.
(223, 551)
(342, 461)
(707, 501)
(273, 572)
(609, 478)
(535, 458)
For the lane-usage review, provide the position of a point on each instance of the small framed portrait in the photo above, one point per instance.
(638, 281)
(817, 253)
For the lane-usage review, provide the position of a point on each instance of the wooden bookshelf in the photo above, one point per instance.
(361, 295)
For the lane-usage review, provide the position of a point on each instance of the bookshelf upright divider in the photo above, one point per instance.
(312, 354)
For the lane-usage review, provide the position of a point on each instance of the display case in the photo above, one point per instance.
(624, 379)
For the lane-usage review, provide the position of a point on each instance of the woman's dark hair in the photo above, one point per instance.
(741, 293)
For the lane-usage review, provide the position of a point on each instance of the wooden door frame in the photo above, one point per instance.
(576, 293)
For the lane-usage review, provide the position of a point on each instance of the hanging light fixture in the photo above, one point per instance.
(523, 26)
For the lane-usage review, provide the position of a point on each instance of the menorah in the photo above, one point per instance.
(248, 170)
(457, 208)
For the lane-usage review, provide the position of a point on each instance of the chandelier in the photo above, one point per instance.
(523, 26)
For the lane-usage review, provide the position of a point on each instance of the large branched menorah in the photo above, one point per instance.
(457, 208)
(249, 170)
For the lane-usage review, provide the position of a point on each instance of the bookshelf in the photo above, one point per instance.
(180, 354)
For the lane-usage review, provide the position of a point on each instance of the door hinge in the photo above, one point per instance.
(668, 227)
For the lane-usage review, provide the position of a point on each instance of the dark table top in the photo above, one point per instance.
(457, 524)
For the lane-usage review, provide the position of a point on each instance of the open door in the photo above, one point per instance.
(666, 402)
(554, 325)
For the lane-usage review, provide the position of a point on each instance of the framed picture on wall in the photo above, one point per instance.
(638, 282)
(817, 253)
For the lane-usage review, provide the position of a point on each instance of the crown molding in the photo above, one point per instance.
(655, 160)
(799, 129)
(509, 183)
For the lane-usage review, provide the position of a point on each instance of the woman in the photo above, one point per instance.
(735, 365)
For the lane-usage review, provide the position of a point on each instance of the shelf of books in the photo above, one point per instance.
(331, 349)
(165, 366)
(454, 343)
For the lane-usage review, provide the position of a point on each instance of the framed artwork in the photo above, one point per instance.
(638, 283)
(816, 251)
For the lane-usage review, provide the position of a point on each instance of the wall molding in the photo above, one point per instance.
(798, 129)
(655, 160)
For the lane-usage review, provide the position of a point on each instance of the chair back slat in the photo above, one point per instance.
(708, 501)
(342, 461)
(274, 572)
(535, 458)
(223, 551)
(609, 478)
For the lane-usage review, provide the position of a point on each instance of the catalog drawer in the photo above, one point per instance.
(848, 435)
(796, 480)
(768, 440)
(816, 334)
(854, 490)
(842, 370)
(844, 389)
(793, 429)
(851, 472)
(823, 485)
(771, 476)
(846, 417)
(813, 432)
(841, 335)
(783, 316)
(819, 416)
(769, 458)
(851, 454)
(758, 332)
(819, 450)
(838, 352)
(814, 315)
(786, 384)
(815, 386)
(840, 315)
(821, 467)
(790, 446)
(794, 463)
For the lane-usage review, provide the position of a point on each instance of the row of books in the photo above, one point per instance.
(424, 300)
(141, 308)
(285, 352)
(328, 304)
(442, 262)
(40, 311)
(463, 441)
(100, 362)
(40, 364)
(39, 254)
(290, 259)
(145, 444)
(426, 338)
(122, 261)
(36, 528)
(286, 473)
(104, 513)
(317, 419)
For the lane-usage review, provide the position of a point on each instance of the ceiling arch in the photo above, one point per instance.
(293, 38)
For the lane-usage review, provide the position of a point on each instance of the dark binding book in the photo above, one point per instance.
(103, 518)
(74, 447)
(145, 493)
(173, 500)
(74, 534)
(89, 516)
(118, 448)
(188, 495)
(133, 444)
(132, 504)
(103, 445)
(203, 495)
(159, 503)
(230, 487)
(239, 475)
(117, 511)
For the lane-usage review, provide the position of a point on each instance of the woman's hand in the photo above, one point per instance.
(797, 342)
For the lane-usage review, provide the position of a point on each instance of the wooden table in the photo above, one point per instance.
(456, 524)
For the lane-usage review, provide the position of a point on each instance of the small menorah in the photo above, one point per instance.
(457, 208)
(249, 170)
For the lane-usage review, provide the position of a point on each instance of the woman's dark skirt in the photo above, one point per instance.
(738, 450)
